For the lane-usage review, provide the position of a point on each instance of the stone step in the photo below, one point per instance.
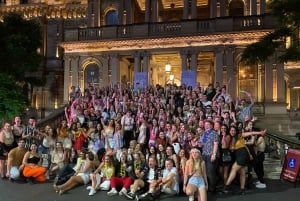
(272, 167)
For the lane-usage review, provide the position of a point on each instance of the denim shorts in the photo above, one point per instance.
(197, 181)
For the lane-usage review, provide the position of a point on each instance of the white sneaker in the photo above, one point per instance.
(261, 185)
(191, 198)
(112, 192)
(256, 183)
(89, 188)
(92, 192)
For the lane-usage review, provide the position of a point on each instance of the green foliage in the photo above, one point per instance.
(288, 14)
(19, 41)
(12, 98)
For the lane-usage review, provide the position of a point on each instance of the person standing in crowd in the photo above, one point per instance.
(127, 123)
(260, 146)
(210, 154)
(6, 143)
(29, 133)
(14, 161)
(243, 109)
(17, 129)
(242, 157)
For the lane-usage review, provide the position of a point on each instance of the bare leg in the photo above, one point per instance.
(235, 168)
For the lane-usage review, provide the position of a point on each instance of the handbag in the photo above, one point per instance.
(226, 156)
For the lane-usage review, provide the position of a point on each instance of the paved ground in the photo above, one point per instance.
(276, 191)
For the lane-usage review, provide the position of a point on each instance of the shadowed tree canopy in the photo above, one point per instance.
(19, 41)
(288, 14)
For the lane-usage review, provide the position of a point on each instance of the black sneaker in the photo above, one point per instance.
(226, 189)
(130, 195)
(241, 192)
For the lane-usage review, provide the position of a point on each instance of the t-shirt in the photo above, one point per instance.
(17, 155)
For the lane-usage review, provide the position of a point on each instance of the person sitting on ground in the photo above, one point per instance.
(167, 183)
(33, 170)
(82, 175)
(101, 176)
(122, 179)
(14, 161)
(143, 175)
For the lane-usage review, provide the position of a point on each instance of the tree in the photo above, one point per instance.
(288, 14)
(19, 41)
(12, 98)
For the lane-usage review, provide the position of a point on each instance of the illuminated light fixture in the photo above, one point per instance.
(296, 87)
(168, 67)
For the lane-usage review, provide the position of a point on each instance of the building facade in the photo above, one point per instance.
(150, 42)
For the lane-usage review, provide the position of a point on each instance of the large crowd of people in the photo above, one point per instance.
(140, 142)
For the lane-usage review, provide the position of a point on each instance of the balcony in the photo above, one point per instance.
(171, 29)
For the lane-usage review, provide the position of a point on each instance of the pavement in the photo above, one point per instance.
(276, 190)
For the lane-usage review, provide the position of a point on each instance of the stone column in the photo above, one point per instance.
(137, 62)
(260, 83)
(194, 9)
(222, 8)
(185, 9)
(146, 61)
(230, 72)
(253, 7)
(213, 8)
(183, 54)
(147, 10)
(154, 13)
(129, 11)
(121, 12)
(280, 83)
(67, 78)
(115, 68)
(269, 81)
(194, 57)
(218, 65)
(262, 7)
(75, 71)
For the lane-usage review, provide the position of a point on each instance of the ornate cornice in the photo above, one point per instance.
(237, 39)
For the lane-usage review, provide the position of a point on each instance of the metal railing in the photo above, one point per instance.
(53, 120)
(278, 143)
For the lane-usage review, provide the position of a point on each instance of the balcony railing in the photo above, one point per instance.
(172, 29)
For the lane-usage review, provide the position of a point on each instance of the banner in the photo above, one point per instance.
(291, 165)
(189, 78)
(140, 80)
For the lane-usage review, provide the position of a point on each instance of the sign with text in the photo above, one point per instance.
(189, 78)
(291, 165)
(140, 79)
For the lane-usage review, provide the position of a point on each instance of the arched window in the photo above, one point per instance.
(112, 17)
(236, 8)
(248, 81)
(91, 75)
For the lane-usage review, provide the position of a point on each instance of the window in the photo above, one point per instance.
(112, 17)
(247, 80)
